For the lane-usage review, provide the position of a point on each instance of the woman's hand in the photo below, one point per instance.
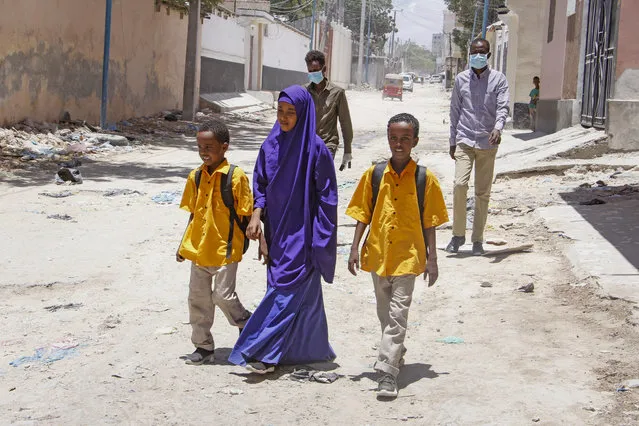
(262, 252)
(254, 228)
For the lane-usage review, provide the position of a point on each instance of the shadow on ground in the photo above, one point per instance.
(409, 374)
(528, 136)
(617, 220)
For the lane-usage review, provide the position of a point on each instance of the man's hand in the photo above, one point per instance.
(452, 151)
(254, 228)
(346, 161)
(495, 137)
(262, 252)
(178, 258)
(432, 271)
(353, 261)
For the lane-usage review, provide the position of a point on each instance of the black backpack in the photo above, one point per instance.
(420, 184)
(226, 188)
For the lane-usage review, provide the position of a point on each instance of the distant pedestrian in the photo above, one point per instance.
(403, 204)
(532, 106)
(295, 191)
(330, 106)
(478, 112)
(214, 241)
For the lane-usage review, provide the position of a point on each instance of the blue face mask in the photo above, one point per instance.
(316, 77)
(478, 60)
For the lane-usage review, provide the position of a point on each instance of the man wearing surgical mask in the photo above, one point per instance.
(330, 106)
(478, 112)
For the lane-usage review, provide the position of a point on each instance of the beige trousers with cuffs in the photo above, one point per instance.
(394, 296)
(204, 295)
(484, 162)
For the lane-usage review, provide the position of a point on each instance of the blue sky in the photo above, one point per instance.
(419, 19)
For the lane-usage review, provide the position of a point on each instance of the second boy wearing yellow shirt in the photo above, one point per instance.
(205, 241)
(397, 249)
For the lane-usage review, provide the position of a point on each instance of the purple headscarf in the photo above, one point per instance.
(294, 182)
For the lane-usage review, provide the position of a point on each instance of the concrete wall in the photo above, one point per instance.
(342, 51)
(623, 110)
(554, 52)
(51, 59)
(284, 49)
(574, 48)
(223, 55)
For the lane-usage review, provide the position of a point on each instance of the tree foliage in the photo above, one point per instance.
(381, 19)
(465, 11)
(417, 58)
(206, 6)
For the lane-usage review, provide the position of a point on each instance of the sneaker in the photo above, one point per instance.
(199, 357)
(478, 249)
(455, 244)
(387, 387)
(258, 367)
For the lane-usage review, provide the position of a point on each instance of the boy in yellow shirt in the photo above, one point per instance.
(400, 245)
(220, 200)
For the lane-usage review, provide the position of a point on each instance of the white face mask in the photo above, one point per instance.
(479, 60)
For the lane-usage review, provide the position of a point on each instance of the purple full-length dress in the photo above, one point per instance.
(294, 182)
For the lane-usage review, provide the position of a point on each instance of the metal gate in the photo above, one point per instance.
(599, 64)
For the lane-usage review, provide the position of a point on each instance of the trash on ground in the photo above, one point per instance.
(451, 340)
(496, 241)
(166, 330)
(48, 355)
(66, 174)
(112, 321)
(631, 384)
(62, 194)
(585, 185)
(601, 183)
(167, 197)
(528, 288)
(593, 202)
(55, 308)
(232, 391)
(486, 284)
(116, 192)
(615, 174)
(307, 374)
(157, 308)
(508, 250)
(60, 217)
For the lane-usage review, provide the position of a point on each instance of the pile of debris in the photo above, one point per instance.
(30, 140)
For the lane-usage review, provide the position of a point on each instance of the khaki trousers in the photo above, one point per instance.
(394, 296)
(484, 161)
(203, 299)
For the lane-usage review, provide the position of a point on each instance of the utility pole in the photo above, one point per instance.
(485, 23)
(368, 39)
(360, 59)
(191, 96)
(314, 16)
(392, 52)
(105, 64)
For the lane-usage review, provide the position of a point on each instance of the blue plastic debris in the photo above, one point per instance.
(167, 197)
(451, 340)
(46, 356)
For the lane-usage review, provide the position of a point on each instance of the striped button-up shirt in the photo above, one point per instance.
(478, 105)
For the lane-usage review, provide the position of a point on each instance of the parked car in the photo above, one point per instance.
(436, 78)
(408, 82)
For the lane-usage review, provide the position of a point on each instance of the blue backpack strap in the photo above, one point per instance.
(378, 173)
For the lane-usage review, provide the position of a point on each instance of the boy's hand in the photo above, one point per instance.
(353, 261)
(262, 251)
(254, 229)
(432, 272)
(178, 258)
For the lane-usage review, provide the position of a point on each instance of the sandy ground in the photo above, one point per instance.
(112, 288)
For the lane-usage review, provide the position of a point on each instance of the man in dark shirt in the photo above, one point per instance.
(330, 106)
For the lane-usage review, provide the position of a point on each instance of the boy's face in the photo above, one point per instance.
(536, 81)
(401, 140)
(286, 116)
(210, 149)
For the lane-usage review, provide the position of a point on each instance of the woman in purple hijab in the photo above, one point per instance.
(295, 191)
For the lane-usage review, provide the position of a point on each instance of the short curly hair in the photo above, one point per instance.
(219, 130)
(405, 118)
(315, 55)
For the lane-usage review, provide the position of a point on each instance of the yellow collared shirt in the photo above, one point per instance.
(395, 243)
(206, 237)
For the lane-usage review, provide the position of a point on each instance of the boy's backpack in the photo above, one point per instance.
(226, 187)
(420, 184)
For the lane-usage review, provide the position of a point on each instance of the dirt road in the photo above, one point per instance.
(101, 294)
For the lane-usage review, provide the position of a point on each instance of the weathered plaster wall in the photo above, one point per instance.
(554, 52)
(627, 85)
(51, 59)
(573, 51)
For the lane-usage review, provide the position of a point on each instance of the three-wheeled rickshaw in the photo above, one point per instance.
(393, 86)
